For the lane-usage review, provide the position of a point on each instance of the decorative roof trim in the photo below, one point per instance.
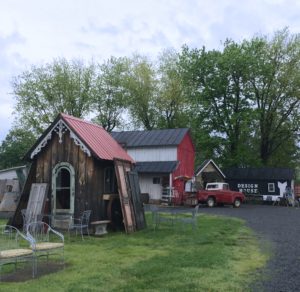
(60, 128)
(208, 162)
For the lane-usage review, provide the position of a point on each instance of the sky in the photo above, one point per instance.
(34, 32)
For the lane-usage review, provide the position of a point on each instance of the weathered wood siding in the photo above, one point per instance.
(162, 153)
(89, 174)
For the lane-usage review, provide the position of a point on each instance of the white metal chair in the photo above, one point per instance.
(47, 241)
(81, 223)
(11, 252)
(27, 218)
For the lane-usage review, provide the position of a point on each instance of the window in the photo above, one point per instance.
(63, 189)
(110, 186)
(156, 180)
(271, 187)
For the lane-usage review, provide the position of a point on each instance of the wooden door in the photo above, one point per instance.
(138, 208)
(121, 168)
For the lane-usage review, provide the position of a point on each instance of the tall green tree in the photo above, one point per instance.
(44, 91)
(15, 145)
(108, 93)
(215, 82)
(274, 83)
(141, 92)
(171, 102)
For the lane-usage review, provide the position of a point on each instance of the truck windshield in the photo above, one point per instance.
(214, 186)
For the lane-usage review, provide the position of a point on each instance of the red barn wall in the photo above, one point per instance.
(186, 158)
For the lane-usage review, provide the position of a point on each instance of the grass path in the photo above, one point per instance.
(220, 255)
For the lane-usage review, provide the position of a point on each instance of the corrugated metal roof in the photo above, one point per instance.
(100, 142)
(156, 166)
(13, 168)
(165, 137)
(260, 173)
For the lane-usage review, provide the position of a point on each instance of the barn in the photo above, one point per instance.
(267, 182)
(84, 169)
(164, 160)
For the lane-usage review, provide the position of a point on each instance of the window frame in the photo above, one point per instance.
(156, 180)
(271, 187)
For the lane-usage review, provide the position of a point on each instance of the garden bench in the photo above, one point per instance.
(100, 226)
(11, 252)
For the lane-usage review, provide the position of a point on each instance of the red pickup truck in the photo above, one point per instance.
(216, 193)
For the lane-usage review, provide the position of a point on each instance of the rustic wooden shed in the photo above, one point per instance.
(208, 171)
(85, 169)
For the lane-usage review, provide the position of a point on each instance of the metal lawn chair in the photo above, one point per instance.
(11, 249)
(28, 218)
(46, 240)
(79, 224)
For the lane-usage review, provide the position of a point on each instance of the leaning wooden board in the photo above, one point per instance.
(36, 202)
(137, 204)
(121, 168)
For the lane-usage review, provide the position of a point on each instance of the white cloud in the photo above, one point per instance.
(35, 31)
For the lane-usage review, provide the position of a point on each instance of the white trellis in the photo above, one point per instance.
(60, 128)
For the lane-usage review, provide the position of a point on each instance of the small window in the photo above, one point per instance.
(110, 182)
(271, 187)
(156, 180)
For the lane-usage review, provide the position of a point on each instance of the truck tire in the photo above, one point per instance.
(237, 203)
(210, 202)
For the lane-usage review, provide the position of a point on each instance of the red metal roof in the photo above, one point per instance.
(100, 142)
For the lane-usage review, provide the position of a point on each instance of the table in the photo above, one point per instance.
(100, 226)
(167, 214)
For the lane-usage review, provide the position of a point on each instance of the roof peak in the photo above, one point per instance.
(66, 116)
(91, 138)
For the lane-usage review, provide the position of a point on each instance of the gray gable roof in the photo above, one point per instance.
(156, 166)
(165, 137)
(260, 173)
(203, 165)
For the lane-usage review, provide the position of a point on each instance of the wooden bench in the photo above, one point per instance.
(100, 226)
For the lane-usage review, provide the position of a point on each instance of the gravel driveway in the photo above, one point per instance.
(279, 226)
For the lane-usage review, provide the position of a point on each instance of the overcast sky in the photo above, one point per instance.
(33, 32)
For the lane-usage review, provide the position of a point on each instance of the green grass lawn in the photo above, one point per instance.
(220, 255)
